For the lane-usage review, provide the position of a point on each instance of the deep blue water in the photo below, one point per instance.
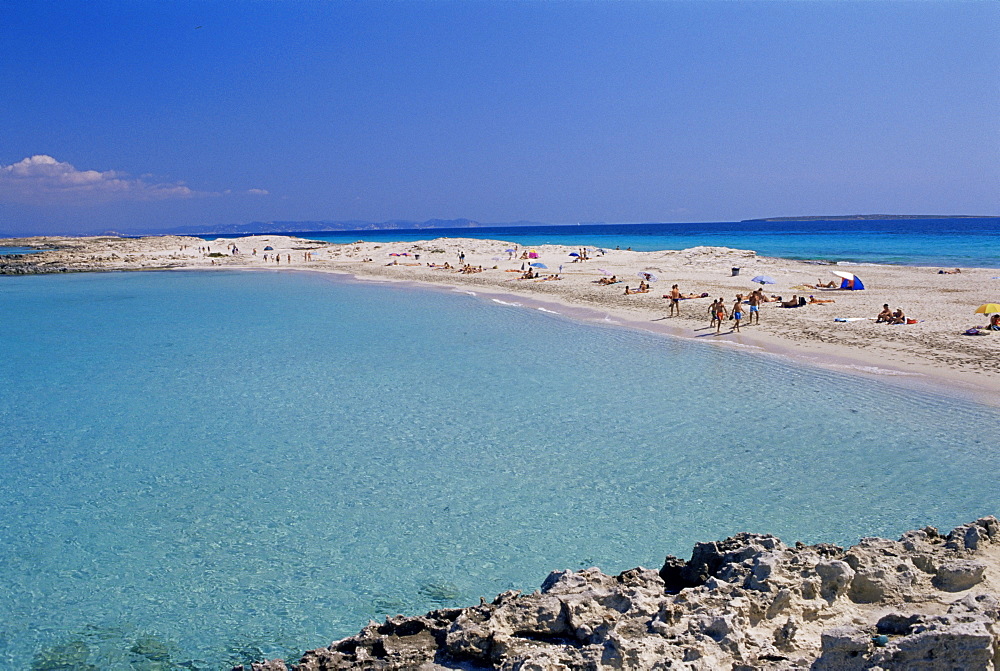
(201, 468)
(948, 243)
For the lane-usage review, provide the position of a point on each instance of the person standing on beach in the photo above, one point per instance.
(737, 312)
(675, 300)
(720, 313)
(754, 301)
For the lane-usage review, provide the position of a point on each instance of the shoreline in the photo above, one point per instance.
(930, 355)
(928, 601)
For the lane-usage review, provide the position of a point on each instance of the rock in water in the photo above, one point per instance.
(926, 602)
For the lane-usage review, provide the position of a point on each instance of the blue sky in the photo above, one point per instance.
(133, 115)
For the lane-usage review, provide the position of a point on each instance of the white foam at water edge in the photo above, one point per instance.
(497, 300)
(551, 312)
(875, 370)
(730, 343)
(464, 291)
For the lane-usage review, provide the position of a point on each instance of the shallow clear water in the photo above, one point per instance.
(215, 467)
(8, 251)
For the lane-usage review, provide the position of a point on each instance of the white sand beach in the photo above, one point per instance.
(933, 350)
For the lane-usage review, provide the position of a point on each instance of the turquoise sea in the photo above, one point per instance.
(201, 469)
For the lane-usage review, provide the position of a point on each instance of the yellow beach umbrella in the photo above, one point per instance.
(988, 308)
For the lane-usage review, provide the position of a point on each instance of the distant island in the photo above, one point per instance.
(872, 217)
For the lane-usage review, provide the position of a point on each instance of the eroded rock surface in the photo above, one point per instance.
(926, 601)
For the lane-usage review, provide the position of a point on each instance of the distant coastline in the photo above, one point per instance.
(873, 217)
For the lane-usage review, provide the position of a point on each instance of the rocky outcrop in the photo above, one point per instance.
(926, 601)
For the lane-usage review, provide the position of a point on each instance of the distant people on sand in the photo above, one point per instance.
(675, 301)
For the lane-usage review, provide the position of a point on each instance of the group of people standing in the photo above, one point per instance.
(717, 311)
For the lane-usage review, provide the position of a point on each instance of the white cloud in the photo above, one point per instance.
(43, 179)
(258, 192)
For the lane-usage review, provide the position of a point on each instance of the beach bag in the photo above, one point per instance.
(911, 321)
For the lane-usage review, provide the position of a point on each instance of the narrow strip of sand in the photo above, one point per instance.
(933, 351)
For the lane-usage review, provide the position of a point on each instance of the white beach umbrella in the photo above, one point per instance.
(843, 275)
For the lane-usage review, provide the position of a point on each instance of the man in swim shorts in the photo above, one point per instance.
(737, 312)
(720, 313)
(754, 300)
(675, 300)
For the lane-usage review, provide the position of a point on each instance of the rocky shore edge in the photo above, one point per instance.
(928, 601)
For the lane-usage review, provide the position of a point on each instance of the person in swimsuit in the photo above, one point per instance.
(754, 299)
(720, 313)
(675, 300)
(885, 315)
(737, 312)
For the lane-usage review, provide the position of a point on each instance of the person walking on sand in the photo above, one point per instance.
(737, 312)
(754, 301)
(720, 313)
(675, 300)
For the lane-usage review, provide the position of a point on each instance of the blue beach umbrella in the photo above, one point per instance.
(573, 254)
(764, 279)
(538, 265)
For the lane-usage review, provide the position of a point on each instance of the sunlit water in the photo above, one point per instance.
(202, 469)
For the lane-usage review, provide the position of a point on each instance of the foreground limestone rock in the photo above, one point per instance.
(924, 602)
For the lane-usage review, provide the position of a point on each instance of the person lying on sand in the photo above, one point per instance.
(950, 272)
(683, 297)
(994, 323)
(608, 280)
(814, 300)
(828, 285)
